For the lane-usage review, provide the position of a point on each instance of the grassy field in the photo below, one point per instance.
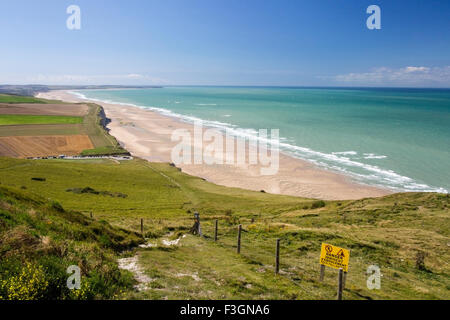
(391, 232)
(6, 98)
(13, 119)
(42, 129)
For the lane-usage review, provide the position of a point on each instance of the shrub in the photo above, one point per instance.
(57, 206)
(84, 293)
(90, 190)
(29, 284)
(318, 204)
(420, 260)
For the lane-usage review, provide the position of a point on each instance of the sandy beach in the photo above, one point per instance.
(147, 134)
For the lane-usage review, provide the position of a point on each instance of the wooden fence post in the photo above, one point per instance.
(322, 272)
(91, 215)
(340, 284)
(239, 239)
(216, 229)
(277, 257)
(196, 228)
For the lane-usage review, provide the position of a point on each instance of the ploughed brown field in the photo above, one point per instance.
(21, 141)
(42, 146)
(44, 109)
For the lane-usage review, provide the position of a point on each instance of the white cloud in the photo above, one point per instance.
(407, 76)
(135, 76)
(416, 69)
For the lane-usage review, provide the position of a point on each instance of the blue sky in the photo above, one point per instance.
(232, 42)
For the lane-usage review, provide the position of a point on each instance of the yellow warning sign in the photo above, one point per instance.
(334, 257)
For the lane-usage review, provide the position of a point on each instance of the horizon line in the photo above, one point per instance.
(124, 86)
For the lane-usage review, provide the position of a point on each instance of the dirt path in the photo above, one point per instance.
(131, 264)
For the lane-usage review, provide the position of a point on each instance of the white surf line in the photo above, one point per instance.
(374, 176)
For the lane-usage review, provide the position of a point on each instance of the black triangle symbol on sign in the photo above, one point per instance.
(341, 253)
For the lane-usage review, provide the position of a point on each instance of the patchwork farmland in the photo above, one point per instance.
(44, 109)
(40, 128)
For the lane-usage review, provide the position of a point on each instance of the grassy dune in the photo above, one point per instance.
(389, 231)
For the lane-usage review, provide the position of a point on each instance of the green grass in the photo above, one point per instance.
(40, 240)
(387, 231)
(104, 143)
(106, 150)
(13, 119)
(6, 98)
(42, 130)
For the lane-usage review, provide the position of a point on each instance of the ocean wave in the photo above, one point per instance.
(373, 156)
(353, 153)
(335, 161)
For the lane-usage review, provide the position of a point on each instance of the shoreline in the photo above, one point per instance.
(147, 134)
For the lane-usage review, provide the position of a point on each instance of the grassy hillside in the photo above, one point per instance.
(39, 240)
(393, 232)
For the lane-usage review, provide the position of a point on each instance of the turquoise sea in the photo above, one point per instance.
(394, 138)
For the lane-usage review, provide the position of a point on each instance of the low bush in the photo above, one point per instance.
(39, 240)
